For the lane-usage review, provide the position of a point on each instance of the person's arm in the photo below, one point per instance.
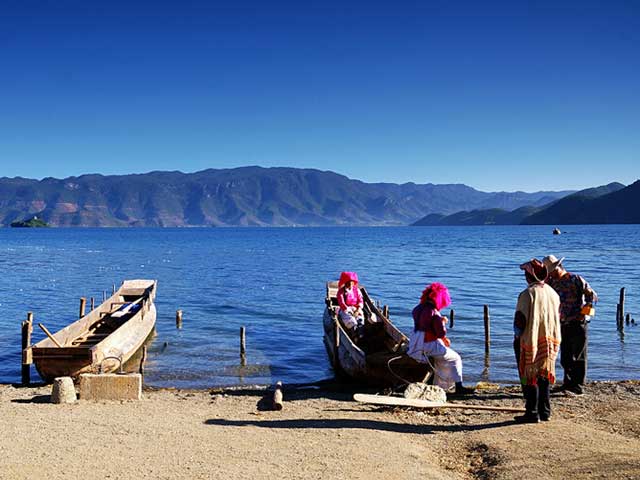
(519, 322)
(519, 318)
(341, 303)
(438, 326)
(360, 299)
(590, 295)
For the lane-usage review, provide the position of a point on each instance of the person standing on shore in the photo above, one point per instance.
(537, 339)
(576, 304)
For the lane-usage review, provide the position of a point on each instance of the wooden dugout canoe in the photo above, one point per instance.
(379, 358)
(105, 338)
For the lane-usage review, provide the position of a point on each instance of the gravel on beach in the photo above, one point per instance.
(320, 433)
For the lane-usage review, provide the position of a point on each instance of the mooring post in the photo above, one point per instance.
(243, 346)
(143, 359)
(104, 296)
(178, 319)
(628, 319)
(487, 329)
(622, 307)
(93, 304)
(83, 304)
(452, 315)
(385, 311)
(114, 289)
(27, 329)
(619, 325)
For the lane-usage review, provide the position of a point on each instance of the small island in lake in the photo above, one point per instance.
(33, 222)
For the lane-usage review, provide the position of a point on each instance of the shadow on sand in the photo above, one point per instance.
(36, 399)
(340, 423)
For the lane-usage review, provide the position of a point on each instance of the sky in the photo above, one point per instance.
(513, 95)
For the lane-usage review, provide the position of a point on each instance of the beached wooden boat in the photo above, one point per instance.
(379, 358)
(106, 338)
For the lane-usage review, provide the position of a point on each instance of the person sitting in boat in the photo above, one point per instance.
(351, 303)
(429, 339)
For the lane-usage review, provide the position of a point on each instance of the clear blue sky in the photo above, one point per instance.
(498, 95)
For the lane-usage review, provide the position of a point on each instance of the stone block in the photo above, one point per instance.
(63, 390)
(422, 391)
(110, 386)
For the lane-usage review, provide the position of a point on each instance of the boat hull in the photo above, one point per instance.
(121, 347)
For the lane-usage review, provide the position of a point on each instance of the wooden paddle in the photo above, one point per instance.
(48, 333)
(416, 403)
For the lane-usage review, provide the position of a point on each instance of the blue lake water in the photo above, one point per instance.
(272, 280)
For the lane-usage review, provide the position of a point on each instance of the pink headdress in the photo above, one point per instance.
(438, 294)
(347, 277)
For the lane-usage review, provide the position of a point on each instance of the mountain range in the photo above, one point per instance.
(247, 196)
(612, 203)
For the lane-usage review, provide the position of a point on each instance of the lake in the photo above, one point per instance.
(272, 280)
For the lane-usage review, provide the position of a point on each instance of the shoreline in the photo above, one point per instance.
(320, 433)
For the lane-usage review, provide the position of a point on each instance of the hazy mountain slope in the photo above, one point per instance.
(240, 196)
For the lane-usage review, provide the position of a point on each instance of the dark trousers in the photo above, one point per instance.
(573, 353)
(536, 398)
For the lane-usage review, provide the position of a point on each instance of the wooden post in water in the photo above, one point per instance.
(487, 329)
(385, 311)
(451, 317)
(142, 360)
(277, 397)
(27, 329)
(243, 346)
(114, 289)
(83, 304)
(104, 296)
(619, 324)
(178, 319)
(621, 308)
(628, 320)
(93, 304)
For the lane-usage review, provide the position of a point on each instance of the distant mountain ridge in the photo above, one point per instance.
(586, 206)
(247, 196)
(593, 206)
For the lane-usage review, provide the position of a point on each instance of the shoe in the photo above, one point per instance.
(577, 389)
(460, 390)
(526, 419)
(545, 418)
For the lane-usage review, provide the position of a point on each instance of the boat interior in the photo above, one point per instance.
(109, 321)
(376, 338)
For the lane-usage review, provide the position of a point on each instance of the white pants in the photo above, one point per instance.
(447, 362)
(350, 321)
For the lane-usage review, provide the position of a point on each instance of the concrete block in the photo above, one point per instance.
(63, 390)
(110, 386)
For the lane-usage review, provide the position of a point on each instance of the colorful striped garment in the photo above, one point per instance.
(540, 333)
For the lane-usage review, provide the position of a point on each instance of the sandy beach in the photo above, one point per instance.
(321, 433)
